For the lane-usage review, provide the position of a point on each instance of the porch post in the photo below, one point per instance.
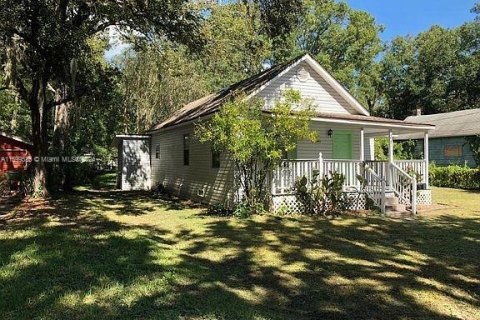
(426, 158)
(362, 145)
(320, 166)
(390, 157)
(390, 146)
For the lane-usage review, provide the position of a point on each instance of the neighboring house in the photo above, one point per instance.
(15, 153)
(448, 143)
(345, 129)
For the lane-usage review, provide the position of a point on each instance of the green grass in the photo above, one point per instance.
(100, 255)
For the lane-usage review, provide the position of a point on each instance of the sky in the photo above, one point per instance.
(402, 17)
(399, 17)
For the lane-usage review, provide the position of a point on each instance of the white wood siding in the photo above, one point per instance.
(316, 89)
(309, 150)
(135, 164)
(197, 181)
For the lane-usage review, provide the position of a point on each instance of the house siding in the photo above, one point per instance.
(309, 150)
(198, 180)
(315, 89)
(14, 155)
(437, 154)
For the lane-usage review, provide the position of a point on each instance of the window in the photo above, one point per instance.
(453, 151)
(186, 149)
(157, 151)
(289, 155)
(215, 159)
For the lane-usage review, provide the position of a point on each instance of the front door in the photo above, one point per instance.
(342, 145)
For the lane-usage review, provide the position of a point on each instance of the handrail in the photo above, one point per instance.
(375, 188)
(401, 170)
(407, 192)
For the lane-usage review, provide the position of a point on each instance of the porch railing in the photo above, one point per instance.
(417, 166)
(349, 168)
(375, 188)
(285, 175)
(404, 186)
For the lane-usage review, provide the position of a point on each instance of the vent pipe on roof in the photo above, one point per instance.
(418, 111)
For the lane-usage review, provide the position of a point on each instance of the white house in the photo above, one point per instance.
(345, 129)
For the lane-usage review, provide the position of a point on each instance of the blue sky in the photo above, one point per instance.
(402, 17)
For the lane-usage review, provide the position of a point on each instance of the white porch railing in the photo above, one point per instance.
(375, 188)
(404, 186)
(349, 168)
(381, 176)
(417, 166)
(284, 177)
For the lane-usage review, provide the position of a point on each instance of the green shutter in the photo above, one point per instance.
(342, 145)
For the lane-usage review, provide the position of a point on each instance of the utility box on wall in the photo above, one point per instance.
(133, 167)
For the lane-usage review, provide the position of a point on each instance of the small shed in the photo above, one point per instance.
(15, 153)
(133, 164)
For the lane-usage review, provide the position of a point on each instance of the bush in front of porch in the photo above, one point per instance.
(322, 196)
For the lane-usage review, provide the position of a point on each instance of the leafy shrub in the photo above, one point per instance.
(18, 181)
(402, 150)
(324, 196)
(245, 209)
(455, 176)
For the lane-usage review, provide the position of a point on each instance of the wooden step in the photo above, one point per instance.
(396, 207)
(391, 200)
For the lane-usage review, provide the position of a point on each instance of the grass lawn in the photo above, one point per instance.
(96, 254)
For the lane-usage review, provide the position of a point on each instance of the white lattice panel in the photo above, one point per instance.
(288, 204)
(424, 197)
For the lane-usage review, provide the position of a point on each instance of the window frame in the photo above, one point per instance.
(186, 149)
(216, 159)
(458, 154)
(157, 151)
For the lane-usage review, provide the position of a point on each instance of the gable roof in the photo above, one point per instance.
(449, 124)
(251, 86)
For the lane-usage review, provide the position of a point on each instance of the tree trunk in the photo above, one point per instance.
(61, 141)
(40, 141)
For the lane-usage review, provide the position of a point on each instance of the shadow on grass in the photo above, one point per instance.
(84, 266)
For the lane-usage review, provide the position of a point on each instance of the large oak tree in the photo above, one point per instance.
(45, 42)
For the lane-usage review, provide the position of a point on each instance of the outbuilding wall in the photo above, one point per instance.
(134, 161)
(14, 155)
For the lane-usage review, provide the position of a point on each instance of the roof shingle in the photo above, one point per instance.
(449, 124)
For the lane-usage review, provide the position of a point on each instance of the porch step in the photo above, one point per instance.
(391, 200)
(392, 204)
(399, 214)
(396, 207)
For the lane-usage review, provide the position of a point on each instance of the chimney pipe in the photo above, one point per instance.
(418, 111)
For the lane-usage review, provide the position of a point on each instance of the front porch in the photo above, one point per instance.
(390, 184)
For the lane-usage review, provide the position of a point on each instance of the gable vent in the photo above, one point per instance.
(303, 75)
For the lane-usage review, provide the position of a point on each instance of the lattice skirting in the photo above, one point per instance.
(424, 197)
(288, 203)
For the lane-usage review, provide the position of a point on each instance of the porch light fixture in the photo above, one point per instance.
(330, 133)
